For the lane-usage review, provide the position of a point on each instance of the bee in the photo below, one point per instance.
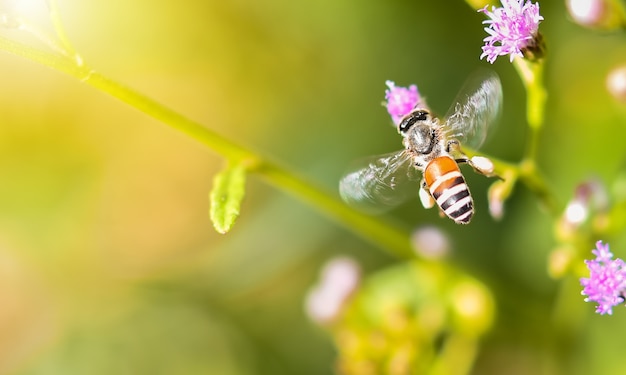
(432, 149)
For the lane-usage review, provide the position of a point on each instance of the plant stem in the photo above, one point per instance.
(64, 41)
(532, 78)
(530, 176)
(531, 74)
(388, 236)
(219, 144)
(456, 357)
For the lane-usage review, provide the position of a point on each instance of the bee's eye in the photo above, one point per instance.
(411, 119)
(406, 123)
(420, 115)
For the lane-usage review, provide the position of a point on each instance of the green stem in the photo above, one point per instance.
(531, 73)
(536, 95)
(55, 61)
(532, 78)
(530, 176)
(219, 144)
(64, 41)
(388, 236)
(456, 357)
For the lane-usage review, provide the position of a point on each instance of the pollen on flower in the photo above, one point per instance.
(483, 164)
(400, 100)
(513, 29)
(606, 283)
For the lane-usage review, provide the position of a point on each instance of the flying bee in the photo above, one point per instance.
(432, 147)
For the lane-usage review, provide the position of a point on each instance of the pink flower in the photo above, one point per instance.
(606, 283)
(512, 29)
(339, 280)
(400, 100)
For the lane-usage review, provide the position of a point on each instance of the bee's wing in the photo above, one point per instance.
(379, 183)
(475, 110)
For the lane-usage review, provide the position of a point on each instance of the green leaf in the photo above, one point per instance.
(226, 196)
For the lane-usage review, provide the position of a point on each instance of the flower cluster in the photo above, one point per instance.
(400, 100)
(513, 29)
(606, 283)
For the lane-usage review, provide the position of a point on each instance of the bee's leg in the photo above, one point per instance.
(480, 164)
(453, 147)
(427, 200)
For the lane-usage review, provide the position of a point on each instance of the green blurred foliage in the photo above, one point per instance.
(412, 319)
(109, 263)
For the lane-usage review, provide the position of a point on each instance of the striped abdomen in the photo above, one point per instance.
(447, 186)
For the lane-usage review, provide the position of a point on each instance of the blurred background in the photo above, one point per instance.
(108, 260)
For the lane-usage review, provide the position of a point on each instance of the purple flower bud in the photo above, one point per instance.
(400, 100)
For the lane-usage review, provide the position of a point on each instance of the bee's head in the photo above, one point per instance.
(411, 119)
(418, 132)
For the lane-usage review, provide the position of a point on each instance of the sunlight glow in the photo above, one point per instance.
(28, 9)
(28, 6)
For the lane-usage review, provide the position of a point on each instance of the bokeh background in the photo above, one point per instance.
(108, 260)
